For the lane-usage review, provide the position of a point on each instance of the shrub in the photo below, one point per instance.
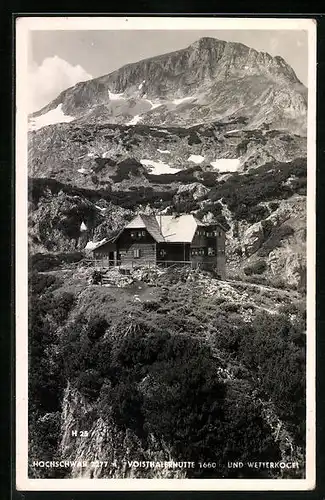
(96, 277)
(267, 348)
(276, 235)
(126, 402)
(96, 328)
(61, 306)
(231, 307)
(256, 268)
(243, 193)
(46, 261)
(89, 384)
(257, 280)
(40, 283)
(279, 283)
(274, 205)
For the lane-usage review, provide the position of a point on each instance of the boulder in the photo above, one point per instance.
(252, 240)
(196, 189)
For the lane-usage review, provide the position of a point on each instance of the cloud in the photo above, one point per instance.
(274, 44)
(47, 80)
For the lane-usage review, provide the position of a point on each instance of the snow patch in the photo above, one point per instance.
(183, 99)
(82, 170)
(154, 105)
(114, 97)
(100, 208)
(196, 158)
(233, 131)
(134, 120)
(226, 164)
(141, 85)
(159, 167)
(91, 245)
(50, 118)
(83, 226)
(165, 151)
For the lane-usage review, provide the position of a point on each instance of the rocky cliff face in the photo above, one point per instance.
(278, 243)
(105, 447)
(207, 81)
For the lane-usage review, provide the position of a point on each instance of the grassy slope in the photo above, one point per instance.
(249, 334)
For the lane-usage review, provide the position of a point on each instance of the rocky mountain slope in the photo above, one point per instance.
(86, 155)
(162, 365)
(208, 81)
(212, 372)
(263, 211)
(242, 163)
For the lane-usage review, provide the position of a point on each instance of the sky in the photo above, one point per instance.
(60, 59)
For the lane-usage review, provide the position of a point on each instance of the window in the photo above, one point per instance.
(143, 233)
(132, 234)
(214, 233)
(162, 253)
(211, 251)
(136, 253)
(139, 234)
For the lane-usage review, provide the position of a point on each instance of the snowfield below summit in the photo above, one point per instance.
(159, 167)
(93, 244)
(134, 120)
(226, 165)
(183, 99)
(113, 97)
(50, 118)
(196, 159)
(165, 151)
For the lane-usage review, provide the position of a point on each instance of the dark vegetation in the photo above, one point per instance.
(45, 378)
(126, 168)
(125, 199)
(163, 362)
(258, 267)
(242, 193)
(276, 235)
(48, 261)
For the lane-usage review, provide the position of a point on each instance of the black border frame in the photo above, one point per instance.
(7, 249)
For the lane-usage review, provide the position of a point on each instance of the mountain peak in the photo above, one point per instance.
(204, 82)
(207, 41)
